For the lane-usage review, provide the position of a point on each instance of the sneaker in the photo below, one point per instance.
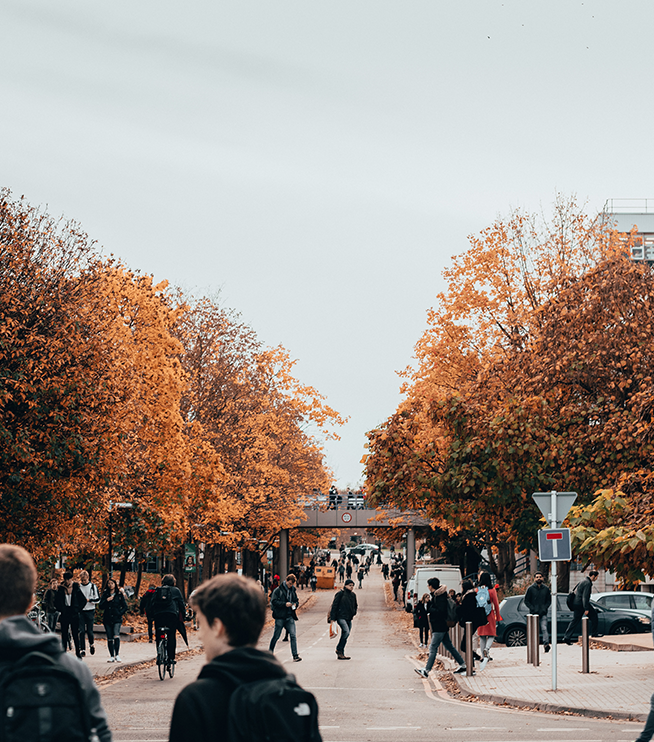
(422, 672)
(285, 639)
(82, 653)
(118, 658)
(546, 648)
(297, 658)
(111, 659)
(483, 664)
(343, 657)
(92, 649)
(460, 669)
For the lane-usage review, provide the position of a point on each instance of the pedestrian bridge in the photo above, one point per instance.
(362, 518)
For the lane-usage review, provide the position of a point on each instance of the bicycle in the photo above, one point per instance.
(38, 617)
(163, 663)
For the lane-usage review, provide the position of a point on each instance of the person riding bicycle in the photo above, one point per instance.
(168, 606)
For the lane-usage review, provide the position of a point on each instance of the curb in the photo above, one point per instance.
(552, 708)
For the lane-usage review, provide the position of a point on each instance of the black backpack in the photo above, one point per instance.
(570, 600)
(276, 710)
(41, 701)
(162, 602)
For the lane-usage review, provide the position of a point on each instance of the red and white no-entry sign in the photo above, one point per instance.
(554, 545)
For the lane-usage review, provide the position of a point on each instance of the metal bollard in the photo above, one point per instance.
(535, 641)
(585, 646)
(530, 640)
(469, 657)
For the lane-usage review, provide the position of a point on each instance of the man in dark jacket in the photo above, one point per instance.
(169, 609)
(19, 636)
(145, 608)
(437, 612)
(538, 600)
(284, 603)
(582, 607)
(231, 612)
(70, 602)
(343, 610)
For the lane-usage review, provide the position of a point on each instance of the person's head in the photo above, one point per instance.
(290, 580)
(539, 577)
(485, 580)
(84, 577)
(17, 581)
(54, 583)
(349, 585)
(231, 611)
(433, 583)
(466, 585)
(68, 578)
(593, 574)
(426, 598)
(168, 581)
(111, 586)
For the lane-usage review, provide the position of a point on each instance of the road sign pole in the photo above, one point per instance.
(554, 524)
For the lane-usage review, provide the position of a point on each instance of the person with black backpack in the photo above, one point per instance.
(168, 608)
(40, 685)
(242, 693)
(438, 618)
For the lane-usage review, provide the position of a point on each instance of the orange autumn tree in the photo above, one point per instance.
(439, 450)
(263, 425)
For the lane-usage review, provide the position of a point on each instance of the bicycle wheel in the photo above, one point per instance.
(162, 659)
(171, 669)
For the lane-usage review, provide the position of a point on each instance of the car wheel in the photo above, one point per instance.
(515, 636)
(621, 628)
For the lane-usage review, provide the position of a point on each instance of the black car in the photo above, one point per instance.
(512, 629)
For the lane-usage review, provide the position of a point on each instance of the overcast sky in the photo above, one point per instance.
(318, 164)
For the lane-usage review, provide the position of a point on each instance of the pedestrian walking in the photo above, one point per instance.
(146, 608)
(49, 605)
(395, 582)
(69, 601)
(385, 570)
(343, 610)
(437, 611)
(361, 573)
(421, 618)
(242, 692)
(313, 580)
(469, 612)
(341, 572)
(87, 614)
(284, 603)
(58, 697)
(491, 606)
(538, 600)
(348, 570)
(582, 607)
(114, 607)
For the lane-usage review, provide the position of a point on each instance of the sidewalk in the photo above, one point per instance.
(619, 685)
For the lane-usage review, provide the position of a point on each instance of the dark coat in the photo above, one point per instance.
(145, 604)
(280, 597)
(18, 636)
(538, 599)
(582, 594)
(344, 605)
(420, 615)
(77, 601)
(114, 610)
(200, 711)
(437, 610)
(469, 611)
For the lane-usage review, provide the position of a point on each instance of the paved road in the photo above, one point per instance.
(375, 696)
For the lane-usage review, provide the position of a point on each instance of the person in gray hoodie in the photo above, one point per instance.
(19, 636)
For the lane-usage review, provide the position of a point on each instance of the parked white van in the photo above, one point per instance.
(448, 574)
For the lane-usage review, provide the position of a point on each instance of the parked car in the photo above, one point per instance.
(512, 629)
(639, 604)
(363, 549)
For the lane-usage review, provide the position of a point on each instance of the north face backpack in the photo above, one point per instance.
(41, 701)
(483, 599)
(276, 710)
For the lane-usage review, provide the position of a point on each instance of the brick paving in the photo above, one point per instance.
(619, 684)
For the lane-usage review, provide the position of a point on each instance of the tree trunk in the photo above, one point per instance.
(139, 574)
(503, 563)
(123, 570)
(178, 572)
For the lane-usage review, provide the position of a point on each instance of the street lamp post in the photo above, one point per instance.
(110, 555)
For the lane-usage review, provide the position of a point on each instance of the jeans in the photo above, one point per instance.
(436, 638)
(113, 638)
(289, 625)
(424, 634)
(576, 622)
(87, 619)
(51, 619)
(544, 634)
(648, 731)
(346, 628)
(69, 620)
